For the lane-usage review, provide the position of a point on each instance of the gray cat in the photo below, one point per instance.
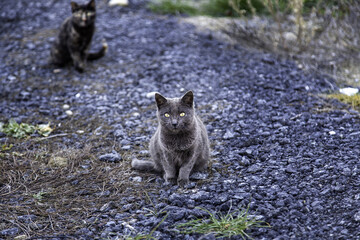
(180, 144)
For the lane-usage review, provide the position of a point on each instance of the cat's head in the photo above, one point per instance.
(83, 14)
(176, 114)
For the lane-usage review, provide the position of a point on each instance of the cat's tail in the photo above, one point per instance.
(99, 54)
(141, 165)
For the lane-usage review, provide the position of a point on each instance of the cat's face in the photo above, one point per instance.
(176, 114)
(83, 15)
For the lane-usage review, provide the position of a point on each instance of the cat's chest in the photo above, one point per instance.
(179, 145)
(81, 39)
(180, 157)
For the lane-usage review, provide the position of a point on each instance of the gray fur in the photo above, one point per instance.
(180, 144)
(146, 166)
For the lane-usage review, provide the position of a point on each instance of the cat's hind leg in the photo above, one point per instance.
(57, 57)
(200, 165)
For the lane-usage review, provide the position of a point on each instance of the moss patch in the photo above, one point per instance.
(354, 100)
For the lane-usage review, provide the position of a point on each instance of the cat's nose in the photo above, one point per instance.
(174, 123)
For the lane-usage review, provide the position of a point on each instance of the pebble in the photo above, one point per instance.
(66, 107)
(126, 147)
(199, 176)
(137, 179)
(111, 157)
(357, 216)
(27, 218)
(349, 91)
(200, 196)
(11, 78)
(254, 168)
(69, 112)
(118, 2)
(228, 134)
(209, 236)
(290, 169)
(9, 231)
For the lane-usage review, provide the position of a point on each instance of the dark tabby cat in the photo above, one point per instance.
(180, 144)
(75, 36)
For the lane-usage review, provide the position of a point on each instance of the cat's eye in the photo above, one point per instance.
(182, 114)
(89, 14)
(167, 115)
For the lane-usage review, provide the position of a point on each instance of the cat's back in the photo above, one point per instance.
(201, 128)
(204, 144)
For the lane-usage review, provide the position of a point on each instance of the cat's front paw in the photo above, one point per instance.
(80, 66)
(183, 182)
(79, 69)
(170, 181)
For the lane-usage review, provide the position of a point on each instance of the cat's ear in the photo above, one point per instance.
(91, 5)
(188, 99)
(160, 100)
(74, 6)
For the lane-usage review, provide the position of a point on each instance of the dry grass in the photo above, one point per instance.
(66, 197)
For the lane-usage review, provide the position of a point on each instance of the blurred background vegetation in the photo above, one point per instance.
(320, 35)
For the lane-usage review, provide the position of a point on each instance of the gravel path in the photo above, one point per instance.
(277, 146)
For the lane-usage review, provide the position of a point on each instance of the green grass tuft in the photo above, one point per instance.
(172, 7)
(40, 195)
(231, 224)
(220, 8)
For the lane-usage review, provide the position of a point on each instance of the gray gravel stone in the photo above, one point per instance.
(111, 157)
(9, 231)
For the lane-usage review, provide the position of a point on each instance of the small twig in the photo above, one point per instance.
(53, 136)
(296, 116)
(10, 192)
